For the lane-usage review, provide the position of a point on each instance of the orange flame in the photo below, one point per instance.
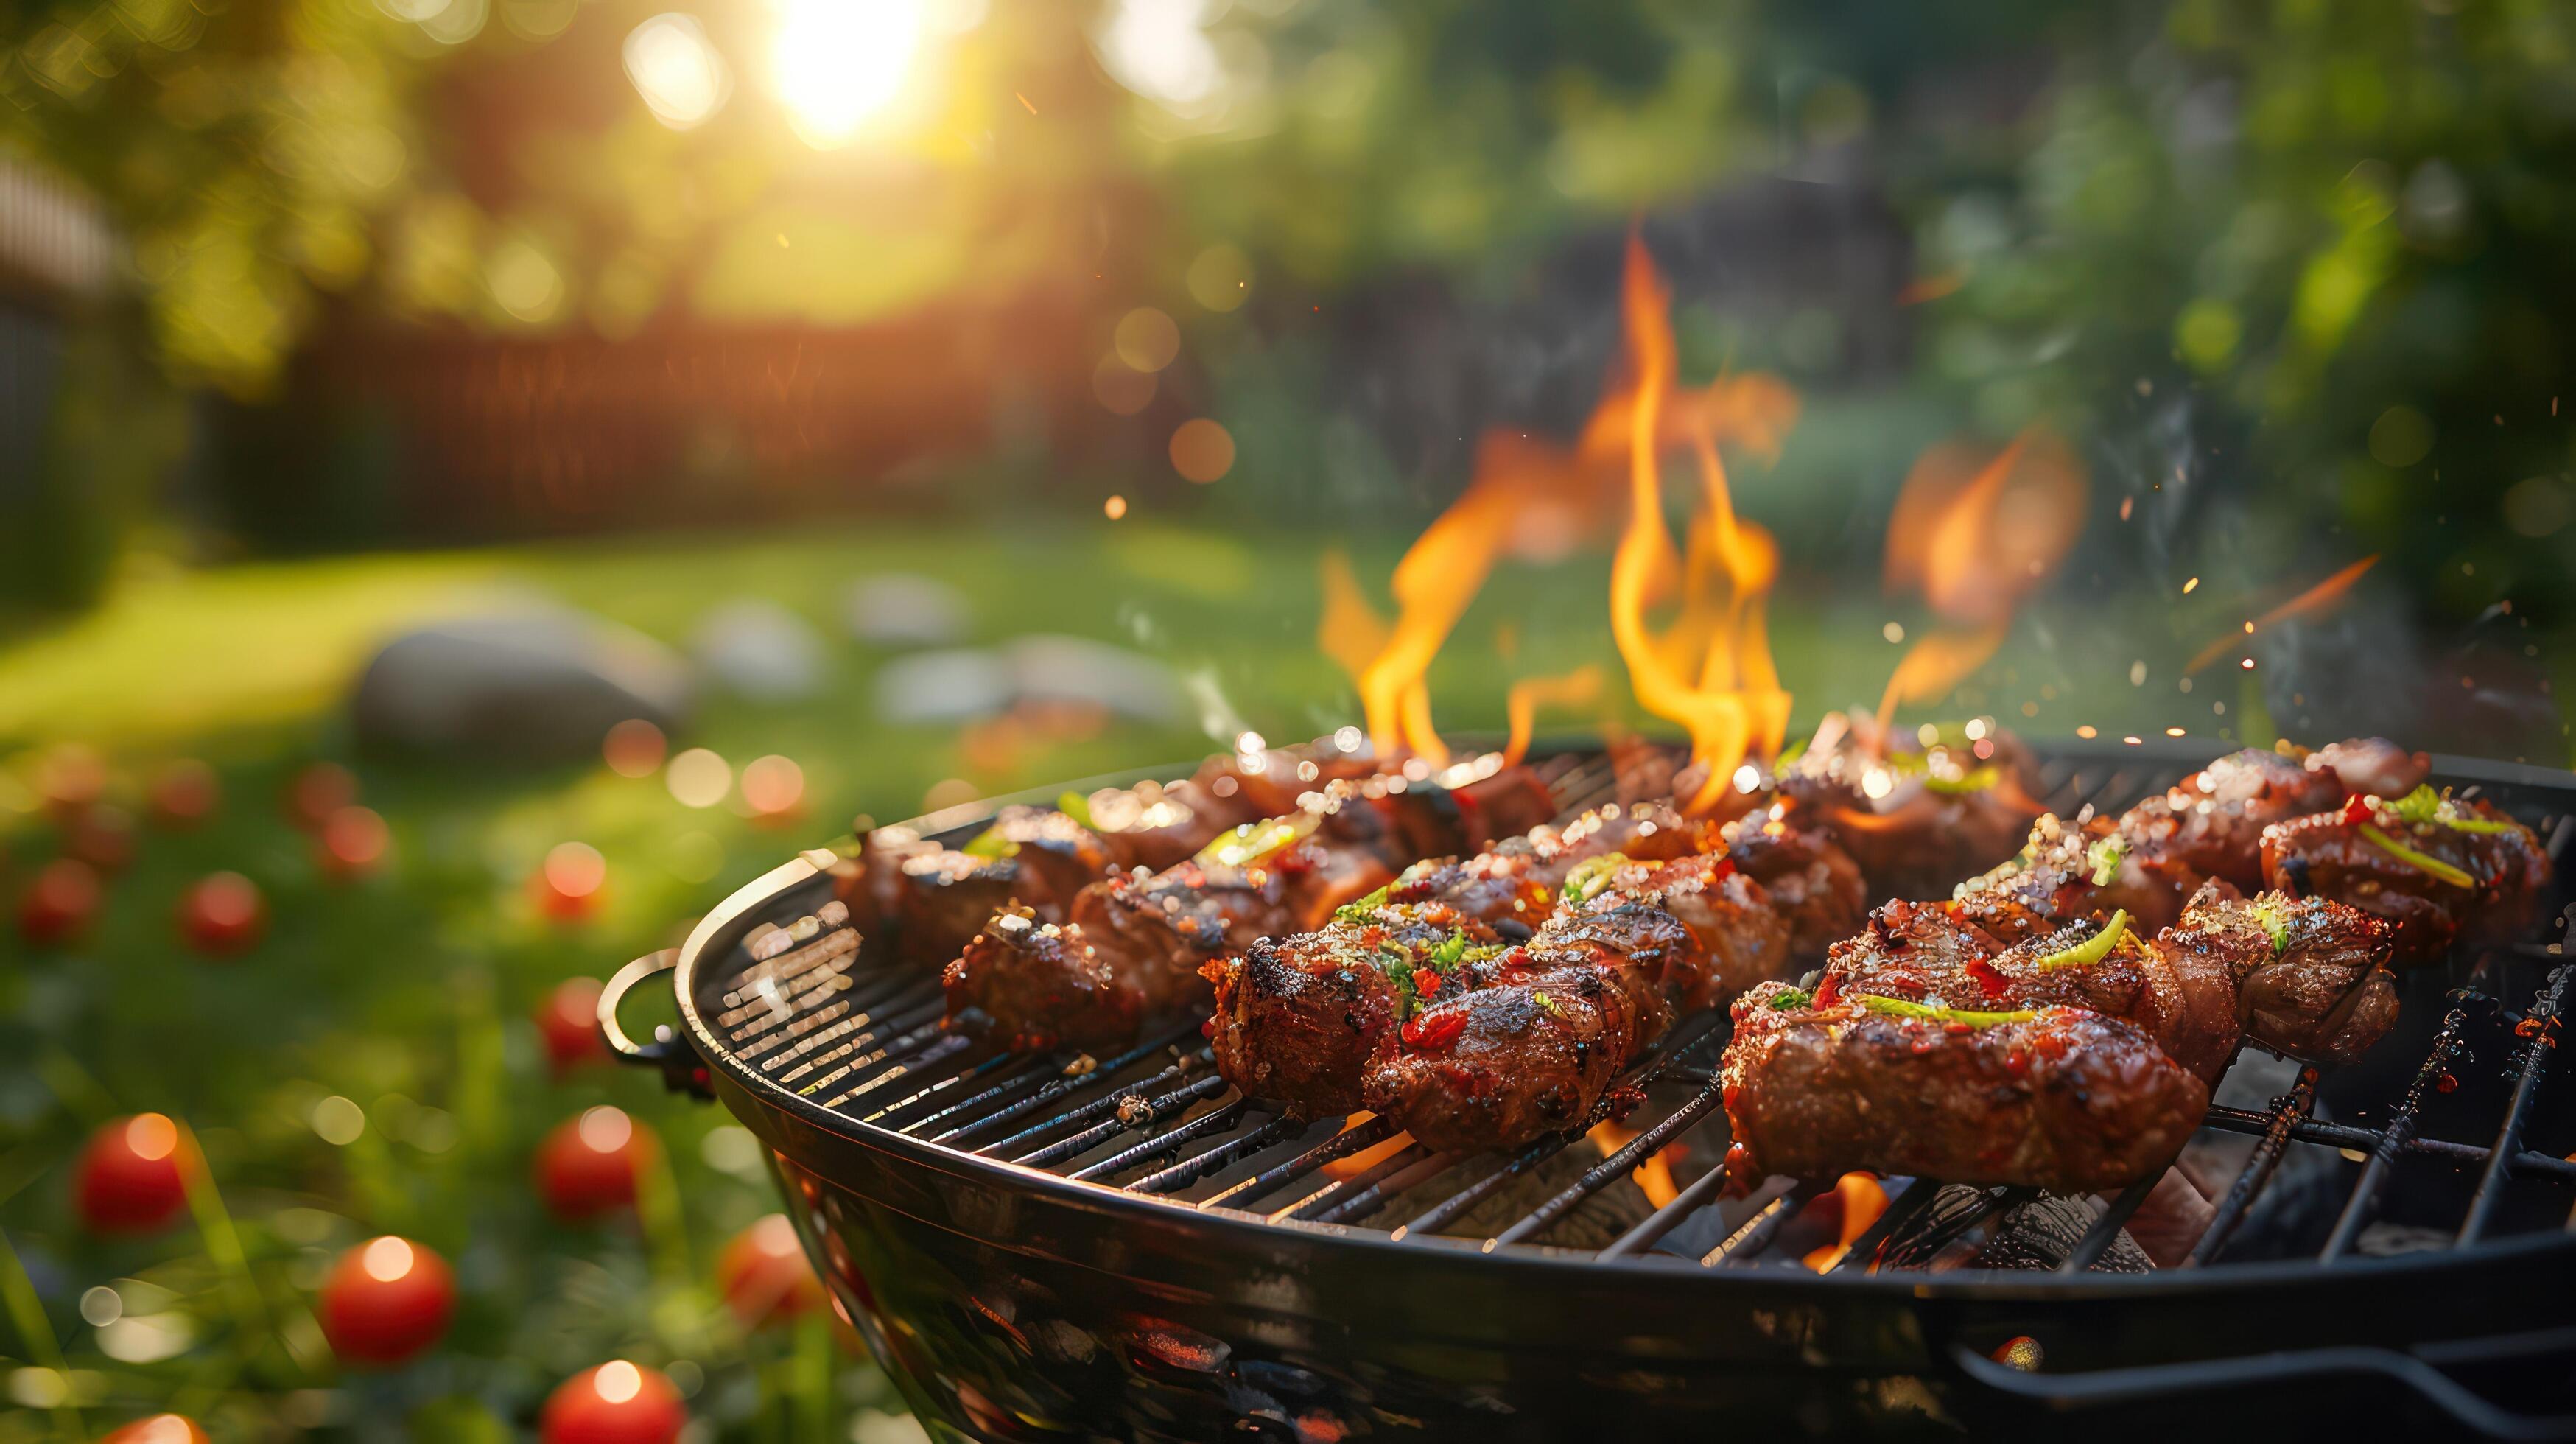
(1976, 537)
(2315, 599)
(1570, 689)
(1863, 1200)
(1710, 669)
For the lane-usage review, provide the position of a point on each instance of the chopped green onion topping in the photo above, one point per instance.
(1548, 1005)
(1791, 999)
(1901, 1008)
(1451, 949)
(2421, 862)
(1397, 964)
(1789, 755)
(1077, 807)
(1255, 841)
(2093, 949)
(2105, 855)
(2424, 805)
(1358, 912)
(991, 844)
(1590, 876)
(2275, 918)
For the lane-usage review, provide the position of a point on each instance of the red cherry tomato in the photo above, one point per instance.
(158, 1429)
(763, 1274)
(352, 842)
(386, 1302)
(587, 1166)
(616, 1403)
(185, 793)
(60, 902)
(103, 837)
(222, 914)
(129, 1177)
(567, 884)
(569, 1021)
(318, 791)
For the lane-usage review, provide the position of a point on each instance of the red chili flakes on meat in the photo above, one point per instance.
(2356, 811)
(1830, 991)
(1426, 982)
(1433, 1032)
(1900, 984)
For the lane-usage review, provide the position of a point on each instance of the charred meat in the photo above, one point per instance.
(2048, 1096)
(2440, 870)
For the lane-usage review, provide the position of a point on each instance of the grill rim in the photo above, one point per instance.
(714, 937)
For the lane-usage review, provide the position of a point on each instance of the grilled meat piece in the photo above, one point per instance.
(946, 897)
(2211, 823)
(1299, 1017)
(2052, 1097)
(1914, 818)
(2311, 976)
(1815, 886)
(2439, 870)
(1043, 984)
(2052, 881)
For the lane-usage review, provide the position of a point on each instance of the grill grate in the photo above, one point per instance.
(867, 1041)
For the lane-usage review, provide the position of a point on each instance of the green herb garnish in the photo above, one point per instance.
(1900, 1008)
(2093, 949)
(1791, 999)
(1397, 964)
(2275, 918)
(1256, 841)
(2105, 855)
(1451, 949)
(1077, 807)
(991, 844)
(2421, 862)
(1548, 1005)
(2424, 805)
(1590, 876)
(1358, 912)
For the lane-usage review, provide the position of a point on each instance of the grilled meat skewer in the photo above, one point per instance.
(2440, 870)
(1128, 947)
(2211, 823)
(2053, 1096)
(1912, 816)
(1410, 1006)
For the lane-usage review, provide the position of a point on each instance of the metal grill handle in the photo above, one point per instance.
(681, 1071)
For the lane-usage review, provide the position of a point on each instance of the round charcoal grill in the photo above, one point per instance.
(1125, 1247)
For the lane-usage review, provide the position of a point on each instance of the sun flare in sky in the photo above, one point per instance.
(841, 65)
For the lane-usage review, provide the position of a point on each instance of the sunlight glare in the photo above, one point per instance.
(839, 64)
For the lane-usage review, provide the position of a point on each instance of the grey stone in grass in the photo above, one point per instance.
(902, 609)
(529, 683)
(759, 650)
(955, 685)
(1076, 669)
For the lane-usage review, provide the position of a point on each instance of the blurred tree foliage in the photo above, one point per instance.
(2293, 256)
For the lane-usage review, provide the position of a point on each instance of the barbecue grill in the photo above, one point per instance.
(1125, 1247)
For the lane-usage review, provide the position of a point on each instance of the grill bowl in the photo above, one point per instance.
(1010, 1301)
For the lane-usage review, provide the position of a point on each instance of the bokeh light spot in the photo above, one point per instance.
(605, 1129)
(1202, 450)
(338, 1121)
(618, 1381)
(151, 1136)
(387, 1259)
(699, 778)
(773, 784)
(1147, 339)
(677, 70)
(575, 869)
(634, 747)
